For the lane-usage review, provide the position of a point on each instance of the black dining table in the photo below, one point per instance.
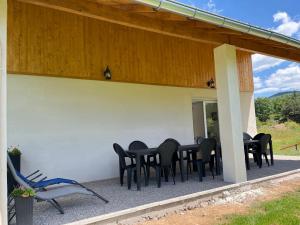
(139, 153)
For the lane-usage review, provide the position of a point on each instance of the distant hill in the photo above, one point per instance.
(280, 94)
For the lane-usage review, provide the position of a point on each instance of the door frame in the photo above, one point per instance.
(204, 101)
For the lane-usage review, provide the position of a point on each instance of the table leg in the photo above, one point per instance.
(181, 165)
(246, 149)
(138, 171)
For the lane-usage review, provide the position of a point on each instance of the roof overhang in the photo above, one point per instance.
(175, 19)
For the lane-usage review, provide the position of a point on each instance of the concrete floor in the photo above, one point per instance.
(81, 207)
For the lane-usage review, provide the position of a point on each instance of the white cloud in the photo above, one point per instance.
(286, 79)
(257, 82)
(212, 7)
(262, 62)
(288, 25)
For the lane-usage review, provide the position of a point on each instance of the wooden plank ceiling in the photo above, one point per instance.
(133, 14)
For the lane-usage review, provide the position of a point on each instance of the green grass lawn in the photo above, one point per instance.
(283, 211)
(282, 135)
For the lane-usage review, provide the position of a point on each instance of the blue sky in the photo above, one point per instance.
(271, 75)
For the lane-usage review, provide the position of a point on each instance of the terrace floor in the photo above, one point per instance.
(81, 207)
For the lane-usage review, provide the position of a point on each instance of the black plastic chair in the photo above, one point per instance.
(246, 136)
(204, 156)
(262, 149)
(199, 139)
(138, 145)
(123, 165)
(175, 155)
(258, 136)
(166, 154)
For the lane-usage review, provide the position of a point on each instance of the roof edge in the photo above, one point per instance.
(198, 14)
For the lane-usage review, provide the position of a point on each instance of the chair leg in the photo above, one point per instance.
(174, 167)
(134, 176)
(267, 161)
(166, 171)
(200, 169)
(121, 176)
(129, 176)
(203, 169)
(95, 193)
(158, 176)
(259, 160)
(56, 205)
(145, 175)
(173, 176)
(211, 167)
(188, 166)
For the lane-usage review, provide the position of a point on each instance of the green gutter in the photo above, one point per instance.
(198, 14)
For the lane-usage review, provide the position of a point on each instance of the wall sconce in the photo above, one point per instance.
(211, 83)
(107, 73)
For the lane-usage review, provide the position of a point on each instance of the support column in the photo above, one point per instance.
(3, 127)
(230, 121)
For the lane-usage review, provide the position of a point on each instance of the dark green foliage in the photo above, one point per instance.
(263, 108)
(282, 108)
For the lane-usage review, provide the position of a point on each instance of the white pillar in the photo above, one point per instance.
(3, 129)
(229, 108)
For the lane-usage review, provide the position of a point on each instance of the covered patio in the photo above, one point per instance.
(63, 110)
(120, 198)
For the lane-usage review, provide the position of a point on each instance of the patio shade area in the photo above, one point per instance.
(78, 76)
(82, 207)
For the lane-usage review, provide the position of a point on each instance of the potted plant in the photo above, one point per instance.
(24, 205)
(15, 156)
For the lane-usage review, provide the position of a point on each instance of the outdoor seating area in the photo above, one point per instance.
(192, 157)
(109, 105)
(79, 207)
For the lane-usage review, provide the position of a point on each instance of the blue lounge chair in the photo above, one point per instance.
(71, 187)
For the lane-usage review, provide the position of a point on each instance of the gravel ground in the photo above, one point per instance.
(80, 207)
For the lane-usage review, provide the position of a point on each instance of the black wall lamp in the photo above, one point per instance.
(107, 73)
(211, 83)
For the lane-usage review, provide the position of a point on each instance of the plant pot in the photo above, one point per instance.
(24, 210)
(11, 183)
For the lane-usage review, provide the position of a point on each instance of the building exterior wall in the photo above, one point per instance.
(66, 127)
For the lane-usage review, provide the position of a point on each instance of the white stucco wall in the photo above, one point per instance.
(66, 127)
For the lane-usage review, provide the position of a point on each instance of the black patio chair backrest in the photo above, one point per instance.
(264, 142)
(258, 136)
(206, 147)
(199, 139)
(122, 155)
(137, 145)
(246, 136)
(166, 151)
(173, 140)
(175, 155)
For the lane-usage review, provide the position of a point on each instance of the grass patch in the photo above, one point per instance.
(283, 135)
(283, 211)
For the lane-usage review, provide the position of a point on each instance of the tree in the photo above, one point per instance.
(291, 107)
(263, 108)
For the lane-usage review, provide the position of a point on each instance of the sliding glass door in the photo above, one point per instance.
(211, 120)
(205, 119)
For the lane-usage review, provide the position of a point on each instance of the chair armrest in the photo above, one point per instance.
(35, 172)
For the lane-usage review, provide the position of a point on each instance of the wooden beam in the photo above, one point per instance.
(93, 9)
